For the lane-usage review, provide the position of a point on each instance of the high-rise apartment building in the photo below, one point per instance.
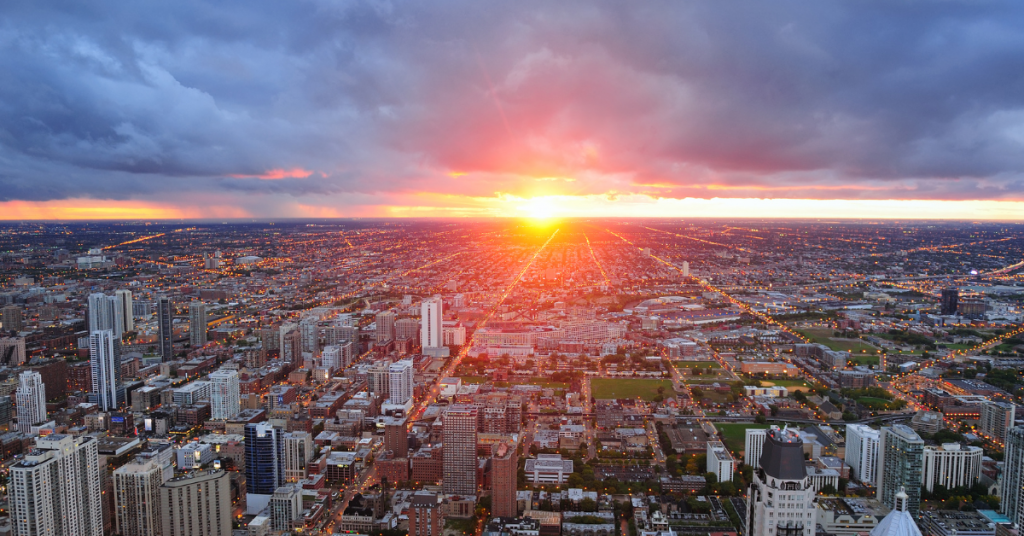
(10, 316)
(197, 323)
(426, 514)
(504, 465)
(431, 316)
(197, 504)
(900, 464)
(30, 398)
(105, 361)
(264, 464)
(291, 342)
(378, 379)
(996, 420)
(780, 501)
(1011, 486)
(950, 301)
(754, 444)
(137, 498)
(385, 323)
(862, 452)
(285, 508)
(165, 325)
(298, 452)
(126, 305)
(225, 396)
(951, 466)
(685, 268)
(106, 313)
(309, 330)
(55, 488)
(459, 440)
(338, 357)
(719, 461)
(407, 328)
(400, 381)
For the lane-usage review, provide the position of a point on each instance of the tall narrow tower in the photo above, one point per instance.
(430, 334)
(504, 465)
(31, 400)
(105, 360)
(165, 319)
(459, 440)
(55, 489)
(197, 323)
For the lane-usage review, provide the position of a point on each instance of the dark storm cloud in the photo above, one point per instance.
(783, 99)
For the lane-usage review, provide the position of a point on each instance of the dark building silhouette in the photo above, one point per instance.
(950, 301)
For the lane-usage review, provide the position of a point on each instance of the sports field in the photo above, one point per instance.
(628, 388)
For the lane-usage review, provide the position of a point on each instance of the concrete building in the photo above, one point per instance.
(459, 440)
(137, 498)
(781, 499)
(996, 420)
(55, 488)
(106, 313)
(30, 398)
(548, 469)
(900, 465)
(197, 323)
(225, 396)
(396, 437)
(862, 452)
(1011, 486)
(12, 351)
(385, 324)
(754, 445)
(504, 465)
(105, 361)
(286, 508)
(720, 461)
(298, 453)
(10, 316)
(197, 504)
(431, 338)
(127, 307)
(951, 465)
(400, 382)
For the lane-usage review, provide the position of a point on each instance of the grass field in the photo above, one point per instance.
(734, 435)
(628, 388)
(792, 385)
(697, 364)
(823, 336)
(864, 359)
(473, 379)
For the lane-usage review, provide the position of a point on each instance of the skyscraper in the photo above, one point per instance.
(309, 329)
(55, 489)
(996, 419)
(459, 440)
(950, 302)
(337, 357)
(430, 335)
(10, 316)
(862, 452)
(137, 498)
(165, 321)
(385, 322)
(400, 382)
(31, 400)
(426, 514)
(780, 501)
(225, 397)
(285, 508)
(686, 269)
(197, 323)
(900, 464)
(754, 445)
(264, 464)
(106, 313)
(504, 465)
(105, 361)
(197, 504)
(127, 308)
(1011, 487)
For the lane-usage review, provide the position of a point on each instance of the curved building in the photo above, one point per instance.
(781, 501)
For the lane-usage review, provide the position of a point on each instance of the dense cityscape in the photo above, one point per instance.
(541, 377)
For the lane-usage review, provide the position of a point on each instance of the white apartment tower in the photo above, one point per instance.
(225, 398)
(862, 452)
(781, 500)
(106, 313)
(137, 498)
(338, 356)
(55, 488)
(754, 445)
(197, 323)
(400, 381)
(105, 361)
(31, 400)
(126, 305)
(430, 330)
(951, 466)
(720, 461)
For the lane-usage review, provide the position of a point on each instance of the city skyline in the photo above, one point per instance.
(529, 110)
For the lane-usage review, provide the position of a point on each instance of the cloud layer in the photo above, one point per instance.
(349, 105)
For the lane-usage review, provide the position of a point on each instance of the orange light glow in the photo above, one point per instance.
(277, 174)
(104, 209)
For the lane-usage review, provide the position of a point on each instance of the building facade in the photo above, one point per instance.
(862, 452)
(504, 465)
(225, 395)
(996, 420)
(264, 464)
(900, 465)
(1011, 486)
(781, 499)
(165, 325)
(197, 504)
(137, 498)
(105, 361)
(950, 465)
(55, 488)
(459, 440)
(30, 399)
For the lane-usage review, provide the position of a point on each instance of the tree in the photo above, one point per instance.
(588, 505)
(760, 419)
